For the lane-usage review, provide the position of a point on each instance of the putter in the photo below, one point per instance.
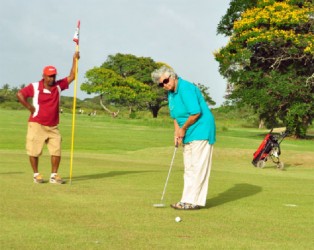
(161, 204)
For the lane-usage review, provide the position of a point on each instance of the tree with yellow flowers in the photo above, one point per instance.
(269, 60)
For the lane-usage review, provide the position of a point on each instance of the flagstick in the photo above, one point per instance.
(73, 116)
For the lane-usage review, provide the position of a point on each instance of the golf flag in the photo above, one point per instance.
(76, 37)
(76, 40)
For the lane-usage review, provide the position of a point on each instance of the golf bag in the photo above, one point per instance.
(269, 148)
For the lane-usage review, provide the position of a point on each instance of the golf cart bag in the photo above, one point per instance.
(269, 148)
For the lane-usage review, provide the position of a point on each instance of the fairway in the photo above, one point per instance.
(119, 171)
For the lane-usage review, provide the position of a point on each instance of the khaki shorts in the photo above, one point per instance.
(38, 135)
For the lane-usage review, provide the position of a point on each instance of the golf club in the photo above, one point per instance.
(161, 204)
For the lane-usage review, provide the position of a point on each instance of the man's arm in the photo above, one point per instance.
(71, 76)
(24, 102)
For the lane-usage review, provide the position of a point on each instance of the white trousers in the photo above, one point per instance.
(197, 158)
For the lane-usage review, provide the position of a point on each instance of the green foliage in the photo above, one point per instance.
(118, 80)
(8, 99)
(124, 91)
(205, 91)
(268, 60)
(126, 80)
(127, 65)
(87, 105)
(235, 117)
(296, 118)
(225, 26)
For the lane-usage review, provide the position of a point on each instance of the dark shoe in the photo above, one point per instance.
(184, 206)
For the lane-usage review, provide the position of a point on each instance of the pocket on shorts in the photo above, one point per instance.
(34, 142)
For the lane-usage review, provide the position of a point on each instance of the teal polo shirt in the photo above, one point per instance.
(188, 100)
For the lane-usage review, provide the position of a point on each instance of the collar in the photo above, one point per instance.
(178, 85)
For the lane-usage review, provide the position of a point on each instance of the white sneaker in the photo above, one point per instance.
(38, 178)
(56, 179)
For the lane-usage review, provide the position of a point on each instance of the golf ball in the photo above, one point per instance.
(178, 219)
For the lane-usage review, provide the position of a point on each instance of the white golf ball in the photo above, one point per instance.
(178, 219)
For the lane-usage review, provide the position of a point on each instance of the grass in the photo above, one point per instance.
(119, 170)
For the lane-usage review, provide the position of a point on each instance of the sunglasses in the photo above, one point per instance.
(165, 81)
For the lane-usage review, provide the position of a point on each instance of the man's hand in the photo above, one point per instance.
(71, 76)
(24, 102)
(76, 55)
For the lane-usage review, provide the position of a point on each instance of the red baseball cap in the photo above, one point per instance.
(49, 71)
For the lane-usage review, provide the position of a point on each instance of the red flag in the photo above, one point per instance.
(76, 37)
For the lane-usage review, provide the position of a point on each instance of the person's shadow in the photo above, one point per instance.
(104, 175)
(238, 191)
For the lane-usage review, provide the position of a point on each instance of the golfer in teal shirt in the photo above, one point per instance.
(185, 101)
(194, 127)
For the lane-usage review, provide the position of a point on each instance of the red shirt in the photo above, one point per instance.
(46, 102)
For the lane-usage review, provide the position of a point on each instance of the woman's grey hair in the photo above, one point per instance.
(164, 70)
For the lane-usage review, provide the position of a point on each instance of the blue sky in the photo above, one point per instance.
(181, 33)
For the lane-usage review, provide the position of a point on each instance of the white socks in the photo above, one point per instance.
(53, 175)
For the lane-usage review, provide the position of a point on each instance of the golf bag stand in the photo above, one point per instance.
(269, 149)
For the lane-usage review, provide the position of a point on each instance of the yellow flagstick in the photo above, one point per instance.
(75, 39)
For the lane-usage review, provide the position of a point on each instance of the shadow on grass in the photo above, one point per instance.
(12, 173)
(105, 175)
(237, 192)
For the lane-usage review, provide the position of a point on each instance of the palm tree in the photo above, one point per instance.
(5, 89)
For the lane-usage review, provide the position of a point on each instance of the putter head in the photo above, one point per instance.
(159, 205)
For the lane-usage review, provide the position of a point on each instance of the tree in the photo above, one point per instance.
(127, 65)
(269, 60)
(139, 68)
(205, 92)
(118, 70)
(5, 89)
(237, 7)
(122, 68)
(124, 91)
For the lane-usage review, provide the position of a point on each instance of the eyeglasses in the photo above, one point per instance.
(165, 81)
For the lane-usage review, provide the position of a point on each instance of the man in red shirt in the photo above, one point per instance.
(44, 118)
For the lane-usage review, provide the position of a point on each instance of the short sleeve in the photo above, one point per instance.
(190, 99)
(28, 91)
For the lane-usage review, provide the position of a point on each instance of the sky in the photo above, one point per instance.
(181, 33)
